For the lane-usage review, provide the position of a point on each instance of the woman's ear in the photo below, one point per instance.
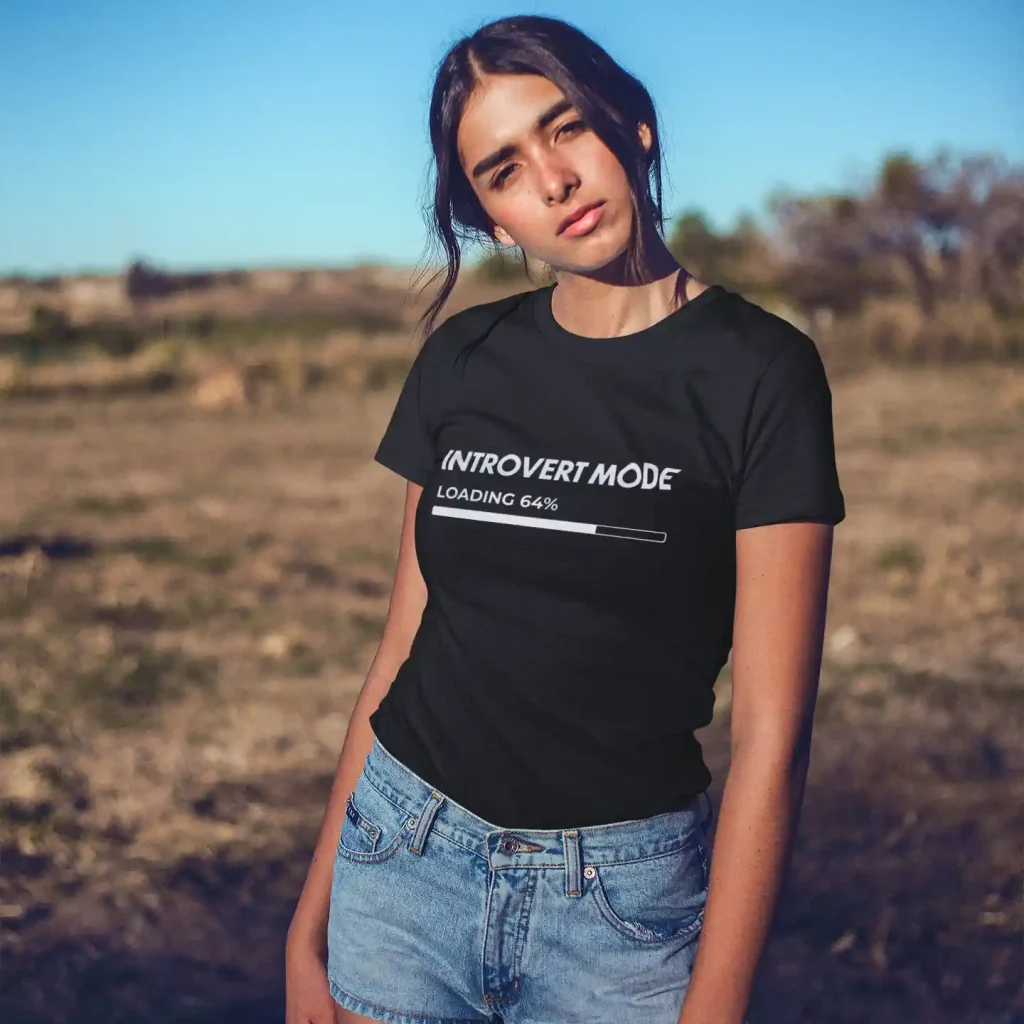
(504, 237)
(645, 136)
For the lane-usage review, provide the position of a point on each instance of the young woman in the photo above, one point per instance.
(612, 481)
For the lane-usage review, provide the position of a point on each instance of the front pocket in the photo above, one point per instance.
(373, 826)
(658, 899)
(359, 834)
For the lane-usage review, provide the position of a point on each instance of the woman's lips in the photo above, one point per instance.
(586, 223)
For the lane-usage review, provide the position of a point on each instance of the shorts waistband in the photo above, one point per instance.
(572, 849)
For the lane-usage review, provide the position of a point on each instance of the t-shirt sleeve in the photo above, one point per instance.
(789, 462)
(406, 446)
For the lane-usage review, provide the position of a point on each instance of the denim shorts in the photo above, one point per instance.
(439, 917)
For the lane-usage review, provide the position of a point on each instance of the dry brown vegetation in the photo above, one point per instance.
(923, 263)
(190, 595)
(196, 552)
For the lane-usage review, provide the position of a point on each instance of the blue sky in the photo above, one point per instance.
(228, 133)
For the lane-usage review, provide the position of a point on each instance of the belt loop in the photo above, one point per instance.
(426, 819)
(571, 845)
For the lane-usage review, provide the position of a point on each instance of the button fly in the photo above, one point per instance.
(508, 845)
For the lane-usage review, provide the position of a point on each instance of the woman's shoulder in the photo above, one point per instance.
(752, 335)
(463, 329)
(470, 321)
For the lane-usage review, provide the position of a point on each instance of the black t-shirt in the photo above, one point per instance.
(576, 533)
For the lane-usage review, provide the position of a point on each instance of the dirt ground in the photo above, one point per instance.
(189, 601)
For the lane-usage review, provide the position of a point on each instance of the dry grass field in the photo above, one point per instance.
(190, 596)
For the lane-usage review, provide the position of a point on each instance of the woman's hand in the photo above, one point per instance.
(307, 995)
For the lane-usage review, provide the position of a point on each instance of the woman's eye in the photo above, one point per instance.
(572, 127)
(502, 175)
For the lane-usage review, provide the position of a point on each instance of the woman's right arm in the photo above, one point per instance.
(307, 934)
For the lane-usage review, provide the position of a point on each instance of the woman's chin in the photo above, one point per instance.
(588, 260)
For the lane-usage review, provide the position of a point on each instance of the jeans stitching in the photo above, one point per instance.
(437, 831)
(364, 824)
(384, 796)
(405, 1013)
(624, 927)
(524, 918)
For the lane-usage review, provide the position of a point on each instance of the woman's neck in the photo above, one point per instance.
(610, 303)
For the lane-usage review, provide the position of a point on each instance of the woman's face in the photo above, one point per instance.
(533, 162)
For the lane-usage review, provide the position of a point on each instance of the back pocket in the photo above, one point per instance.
(658, 899)
(373, 826)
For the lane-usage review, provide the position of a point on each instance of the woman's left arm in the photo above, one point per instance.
(781, 595)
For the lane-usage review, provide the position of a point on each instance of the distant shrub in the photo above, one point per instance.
(896, 330)
(143, 281)
(501, 265)
(202, 326)
(384, 372)
(368, 321)
(23, 723)
(132, 684)
(51, 327)
(115, 339)
(207, 327)
(102, 505)
(900, 555)
(52, 335)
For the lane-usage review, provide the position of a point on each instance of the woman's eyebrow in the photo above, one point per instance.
(499, 156)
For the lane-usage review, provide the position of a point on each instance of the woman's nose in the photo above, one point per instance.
(558, 181)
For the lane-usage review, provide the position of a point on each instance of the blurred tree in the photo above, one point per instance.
(144, 281)
(741, 259)
(695, 244)
(946, 229)
(500, 265)
(115, 339)
(51, 327)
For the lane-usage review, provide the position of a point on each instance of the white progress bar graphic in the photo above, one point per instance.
(566, 525)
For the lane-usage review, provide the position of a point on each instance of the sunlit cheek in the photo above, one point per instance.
(499, 210)
(613, 178)
(516, 211)
(503, 213)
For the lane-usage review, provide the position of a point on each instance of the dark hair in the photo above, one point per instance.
(611, 101)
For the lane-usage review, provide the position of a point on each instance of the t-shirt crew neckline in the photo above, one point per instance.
(622, 344)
